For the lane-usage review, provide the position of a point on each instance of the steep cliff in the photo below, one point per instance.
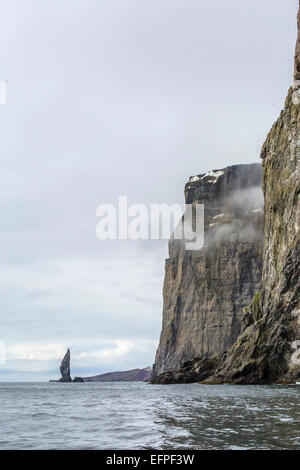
(206, 291)
(268, 349)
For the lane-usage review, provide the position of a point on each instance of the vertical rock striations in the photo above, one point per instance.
(206, 291)
(65, 368)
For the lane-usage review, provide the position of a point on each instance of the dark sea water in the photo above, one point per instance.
(141, 416)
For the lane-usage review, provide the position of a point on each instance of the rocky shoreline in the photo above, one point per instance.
(195, 370)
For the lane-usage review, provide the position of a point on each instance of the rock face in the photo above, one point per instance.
(65, 368)
(135, 375)
(206, 291)
(268, 349)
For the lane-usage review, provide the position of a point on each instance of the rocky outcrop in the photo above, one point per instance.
(206, 291)
(65, 368)
(195, 370)
(78, 380)
(134, 375)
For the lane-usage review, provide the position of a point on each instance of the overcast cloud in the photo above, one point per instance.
(109, 98)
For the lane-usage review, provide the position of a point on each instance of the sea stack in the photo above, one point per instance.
(65, 368)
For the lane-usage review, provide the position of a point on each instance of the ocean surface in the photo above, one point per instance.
(142, 416)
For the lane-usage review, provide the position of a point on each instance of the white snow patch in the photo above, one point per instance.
(194, 178)
(210, 174)
(214, 174)
(218, 216)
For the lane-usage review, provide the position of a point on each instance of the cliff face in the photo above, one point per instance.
(267, 349)
(206, 291)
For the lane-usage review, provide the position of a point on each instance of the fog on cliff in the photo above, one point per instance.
(107, 99)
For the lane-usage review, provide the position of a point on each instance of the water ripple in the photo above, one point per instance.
(142, 416)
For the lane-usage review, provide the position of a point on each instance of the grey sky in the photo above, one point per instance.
(109, 98)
